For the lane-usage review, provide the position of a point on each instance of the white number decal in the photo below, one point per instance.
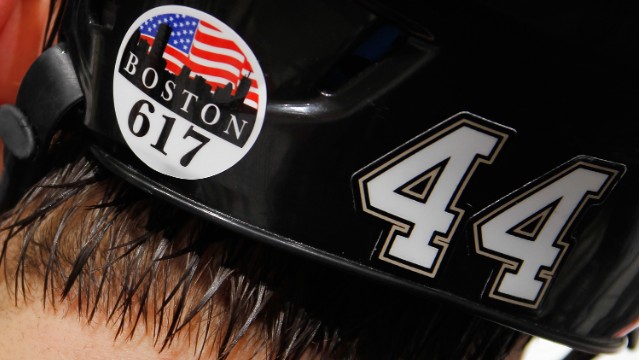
(525, 231)
(416, 189)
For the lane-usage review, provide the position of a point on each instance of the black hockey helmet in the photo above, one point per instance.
(477, 152)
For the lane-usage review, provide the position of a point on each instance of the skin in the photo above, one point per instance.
(22, 336)
(22, 25)
(30, 330)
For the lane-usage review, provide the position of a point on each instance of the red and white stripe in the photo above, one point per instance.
(215, 57)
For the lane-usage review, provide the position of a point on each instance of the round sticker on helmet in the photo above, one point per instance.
(188, 92)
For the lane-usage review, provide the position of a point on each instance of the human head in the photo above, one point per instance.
(254, 199)
(85, 244)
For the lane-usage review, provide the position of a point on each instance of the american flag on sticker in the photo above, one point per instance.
(203, 48)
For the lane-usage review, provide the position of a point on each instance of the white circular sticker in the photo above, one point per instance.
(188, 92)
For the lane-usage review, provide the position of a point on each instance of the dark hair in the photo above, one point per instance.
(83, 234)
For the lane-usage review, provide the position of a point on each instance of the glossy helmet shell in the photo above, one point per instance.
(372, 133)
